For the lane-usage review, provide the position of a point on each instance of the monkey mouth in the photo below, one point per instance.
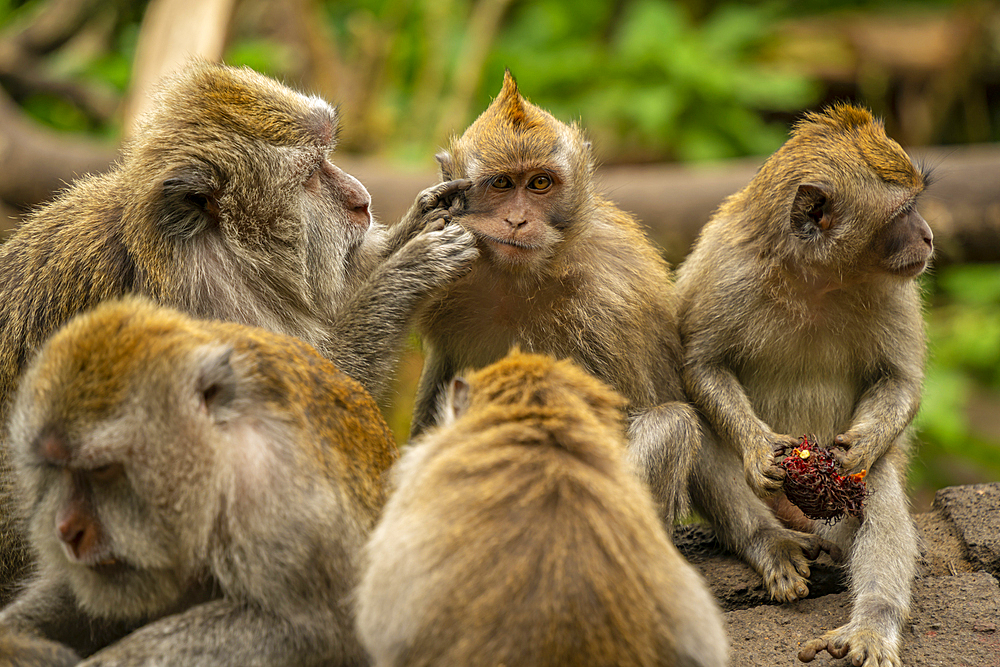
(911, 270)
(512, 243)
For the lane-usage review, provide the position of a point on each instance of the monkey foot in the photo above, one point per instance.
(862, 646)
(783, 560)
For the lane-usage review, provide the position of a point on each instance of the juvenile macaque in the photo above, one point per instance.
(226, 206)
(800, 315)
(515, 534)
(564, 272)
(197, 493)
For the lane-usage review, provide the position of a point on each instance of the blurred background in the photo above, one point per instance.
(681, 99)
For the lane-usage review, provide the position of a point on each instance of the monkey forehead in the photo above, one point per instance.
(858, 127)
(91, 367)
(248, 103)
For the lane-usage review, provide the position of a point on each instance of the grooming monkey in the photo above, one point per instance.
(226, 206)
(516, 535)
(800, 314)
(201, 489)
(564, 272)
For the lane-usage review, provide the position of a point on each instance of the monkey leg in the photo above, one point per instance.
(881, 566)
(663, 443)
(745, 525)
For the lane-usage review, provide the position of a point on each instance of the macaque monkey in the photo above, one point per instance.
(196, 492)
(800, 315)
(561, 271)
(226, 206)
(515, 534)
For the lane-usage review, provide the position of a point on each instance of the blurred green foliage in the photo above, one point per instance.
(649, 81)
(963, 371)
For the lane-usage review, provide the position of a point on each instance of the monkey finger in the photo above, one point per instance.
(838, 651)
(811, 648)
(442, 193)
(843, 440)
(436, 224)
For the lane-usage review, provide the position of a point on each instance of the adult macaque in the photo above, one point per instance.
(197, 493)
(561, 271)
(800, 315)
(226, 206)
(515, 534)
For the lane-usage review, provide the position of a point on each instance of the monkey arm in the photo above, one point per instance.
(369, 330)
(46, 613)
(882, 414)
(223, 632)
(717, 392)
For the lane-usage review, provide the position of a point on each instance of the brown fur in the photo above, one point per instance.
(572, 276)
(229, 475)
(225, 206)
(800, 315)
(517, 536)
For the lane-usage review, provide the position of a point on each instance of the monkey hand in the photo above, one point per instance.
(763, 475)
(446, 197)
(443, 252)
(24, 649)
(853, 453)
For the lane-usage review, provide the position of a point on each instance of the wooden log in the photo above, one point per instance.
(674, 201)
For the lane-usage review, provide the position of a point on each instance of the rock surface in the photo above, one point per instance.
(955, 615)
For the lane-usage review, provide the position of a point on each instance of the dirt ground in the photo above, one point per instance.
(956, 597)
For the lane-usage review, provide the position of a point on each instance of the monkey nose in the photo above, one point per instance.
(79, 538)
(361, 215)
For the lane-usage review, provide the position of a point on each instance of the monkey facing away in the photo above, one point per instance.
(564, 272)
(800, 315)
(226, 206)
(202, 488)
(516, 535)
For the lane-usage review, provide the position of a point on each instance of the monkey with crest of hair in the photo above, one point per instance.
(564, 272)
(515, 534)
(227, 206)
(197, 493)
(800, 315)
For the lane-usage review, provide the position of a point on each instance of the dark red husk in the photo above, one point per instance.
(813, 485)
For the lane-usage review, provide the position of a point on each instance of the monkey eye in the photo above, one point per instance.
(312, 180)
(502, 182)
(106, 473)
(540, 183)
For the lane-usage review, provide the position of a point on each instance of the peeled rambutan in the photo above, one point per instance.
(813, 485)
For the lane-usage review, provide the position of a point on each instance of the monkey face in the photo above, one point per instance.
(94, 524)
(511, 215)
(115, 439)
(851, 236)
(239, 175)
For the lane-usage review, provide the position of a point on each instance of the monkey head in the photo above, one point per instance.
(136, 449)
(531, 175)
(232, 164)
(851, 195)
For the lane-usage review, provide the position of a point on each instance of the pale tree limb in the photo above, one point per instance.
(172, 32)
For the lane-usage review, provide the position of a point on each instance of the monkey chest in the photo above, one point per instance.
(808, 383)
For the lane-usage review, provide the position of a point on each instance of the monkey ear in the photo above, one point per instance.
(447, 166)
(190, 202)
(812, 210)
(457, 399)
(216, 383)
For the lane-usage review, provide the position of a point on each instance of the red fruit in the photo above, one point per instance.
(813, 485)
